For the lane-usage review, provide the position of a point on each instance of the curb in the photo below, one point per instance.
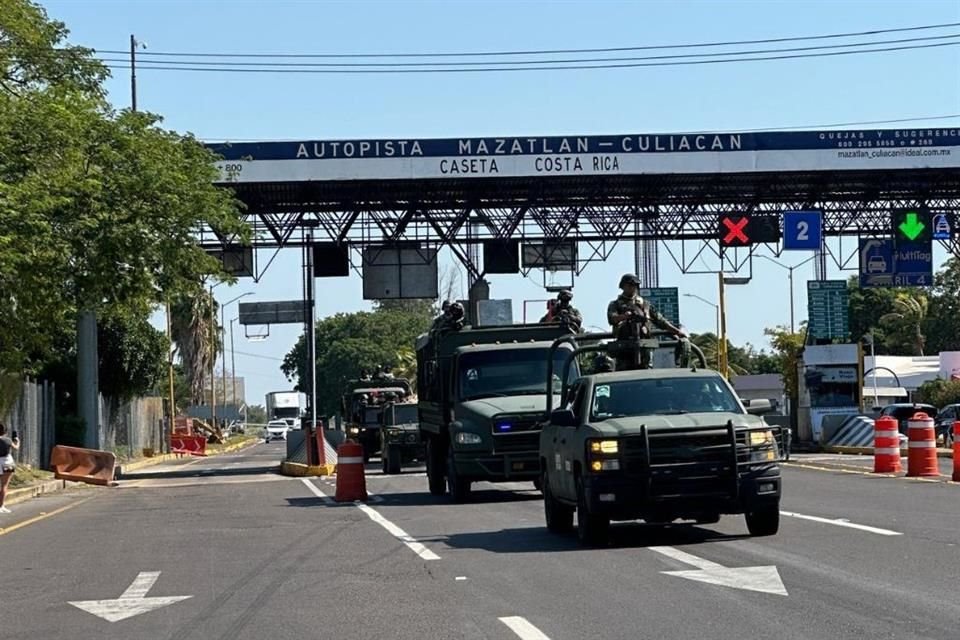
(868, 451)
(28, 493)
(297, 470)
(53, 486)
(168, 457)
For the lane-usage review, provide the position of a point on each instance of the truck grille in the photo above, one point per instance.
(515, 434)
(683, 463)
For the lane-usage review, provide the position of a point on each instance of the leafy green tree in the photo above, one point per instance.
(133, 356)
(787, 353)
(897, 334)
(909, 318)
(348, 343)
(942, 326)
(196, 332)
(98, 208)
(939, 392)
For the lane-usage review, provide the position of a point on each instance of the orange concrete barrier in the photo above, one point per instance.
(83, 465)
(956, 451)
(351, 481)
(922, 455)
(188, 445)
(886, 446)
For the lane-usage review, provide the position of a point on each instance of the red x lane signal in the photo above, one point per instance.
(733, 231)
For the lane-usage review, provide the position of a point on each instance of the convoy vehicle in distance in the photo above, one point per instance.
(362, 405)
(287, 406)
(399, 435)
(657, 445)
(482, 397)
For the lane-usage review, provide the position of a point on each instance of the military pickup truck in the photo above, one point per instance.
(362, 404)
(483, 397)
(400, 436)
(657, 445)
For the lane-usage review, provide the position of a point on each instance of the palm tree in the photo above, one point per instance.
(406, 366)
(912, 311)
(196, 333)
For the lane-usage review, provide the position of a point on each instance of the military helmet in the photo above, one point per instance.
(456, 310)
(565, 294)
(629, 278)
(602, 363)
(445, 306)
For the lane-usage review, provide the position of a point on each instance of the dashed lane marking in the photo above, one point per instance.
(842, 522)
(523, 628)
(412, 543)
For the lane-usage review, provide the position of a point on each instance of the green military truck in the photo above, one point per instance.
(400, 435)
(362, 405)
(482, 399)
(657, 445)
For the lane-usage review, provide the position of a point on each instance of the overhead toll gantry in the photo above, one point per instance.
(508, 205)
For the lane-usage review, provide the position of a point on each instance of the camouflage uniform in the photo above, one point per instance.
(564, 312)
(622, 304)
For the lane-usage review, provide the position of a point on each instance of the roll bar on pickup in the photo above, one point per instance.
(597, 347)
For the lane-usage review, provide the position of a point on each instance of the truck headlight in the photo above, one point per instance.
(354, 430)
(604, 446)
(393, 433)
(465, 437)
(604, 465)
(761, 438)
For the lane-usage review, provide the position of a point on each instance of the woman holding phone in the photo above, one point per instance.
(7, 446)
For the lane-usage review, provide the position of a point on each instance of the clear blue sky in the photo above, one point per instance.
(715, 97)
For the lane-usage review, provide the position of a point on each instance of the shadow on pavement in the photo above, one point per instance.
(483, 496)
(622, 535)
(191, 472)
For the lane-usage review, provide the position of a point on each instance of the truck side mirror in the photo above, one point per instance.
(759, 407)
(563, 418)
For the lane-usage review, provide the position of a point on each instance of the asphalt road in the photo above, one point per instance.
(261, 556)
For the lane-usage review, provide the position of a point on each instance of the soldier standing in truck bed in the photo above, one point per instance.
(563, 312)
(629, 308)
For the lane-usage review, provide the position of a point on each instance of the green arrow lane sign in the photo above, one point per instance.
(912, 227)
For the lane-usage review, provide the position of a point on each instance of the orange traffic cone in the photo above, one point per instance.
(922, 457)
(351, 481)
(886, 446)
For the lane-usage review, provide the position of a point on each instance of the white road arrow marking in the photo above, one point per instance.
(762, 579)
(131, 602)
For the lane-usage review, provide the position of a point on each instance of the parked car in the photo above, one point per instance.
(944, 424)
(276, 430)
(903, 411)
(238, 426)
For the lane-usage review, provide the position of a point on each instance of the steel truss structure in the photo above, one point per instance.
(598, 212)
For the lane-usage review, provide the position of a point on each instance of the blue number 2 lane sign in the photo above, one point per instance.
(802, 230)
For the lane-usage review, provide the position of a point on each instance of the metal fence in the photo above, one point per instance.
(129, 427)
(32, 416)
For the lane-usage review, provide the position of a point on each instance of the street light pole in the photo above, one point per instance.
(716, 309)
(722, 343)
(213, 363)
(789, 269)
(233, 364)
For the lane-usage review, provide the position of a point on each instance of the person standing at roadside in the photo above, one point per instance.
(7, 446)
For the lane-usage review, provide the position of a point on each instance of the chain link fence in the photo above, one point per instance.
(32, 416)
(127, 428)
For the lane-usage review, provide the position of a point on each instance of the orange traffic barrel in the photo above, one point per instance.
(886, 446)
(922, 455)
(956, 451)
(351, 481)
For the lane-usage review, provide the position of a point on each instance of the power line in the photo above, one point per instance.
(562, 67)
(830, 36)
(257, 355)
(347, 65)
(949, 116)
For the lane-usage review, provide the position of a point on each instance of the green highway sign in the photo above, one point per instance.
(666, 300)
(911, 225)
(828, 309)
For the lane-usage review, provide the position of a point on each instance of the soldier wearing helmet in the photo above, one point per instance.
(562, 312)
(452, 318)
(630, 316)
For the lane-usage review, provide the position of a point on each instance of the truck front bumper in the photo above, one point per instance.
(497, 467)
(622, 497)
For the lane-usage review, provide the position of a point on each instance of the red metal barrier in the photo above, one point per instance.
(188, 445)
(956, 451)
(83, 465)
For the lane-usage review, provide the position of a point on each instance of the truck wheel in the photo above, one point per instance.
(559, 516)
(391, 460)
(435, 467)
(764, 521)
(459, 487)
(592, 529)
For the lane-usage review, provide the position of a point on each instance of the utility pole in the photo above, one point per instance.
(233, 369)
(213, 362)
(133, 72)
(722, 343)
(223, 368)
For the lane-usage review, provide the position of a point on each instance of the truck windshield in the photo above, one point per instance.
(405, 414)
(662, 396)
(509, 372)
